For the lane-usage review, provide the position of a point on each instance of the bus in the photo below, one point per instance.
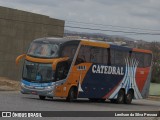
(71, 69)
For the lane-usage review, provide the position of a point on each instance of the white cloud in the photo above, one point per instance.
(131, 13)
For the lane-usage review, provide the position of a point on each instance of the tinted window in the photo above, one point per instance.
(139, 57)
(118, 56)
(38, 72)
(143, 59)
(147, 60)
(105, 56)
(92, 54)
(40, 49)
(69, 51)
(96, 55)
(62, 70)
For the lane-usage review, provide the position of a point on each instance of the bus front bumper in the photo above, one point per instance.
(36, 91)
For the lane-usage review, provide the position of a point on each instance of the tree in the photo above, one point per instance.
(155, 48)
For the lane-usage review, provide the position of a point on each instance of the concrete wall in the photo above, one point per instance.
(17, 30)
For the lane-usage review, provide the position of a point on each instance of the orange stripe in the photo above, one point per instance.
(94, 43)
(142, 50)
(53, 61)
(41, 60)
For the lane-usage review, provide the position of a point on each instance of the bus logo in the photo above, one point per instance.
(101, 69)
(6, 114)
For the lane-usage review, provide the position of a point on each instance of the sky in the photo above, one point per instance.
(134, 16)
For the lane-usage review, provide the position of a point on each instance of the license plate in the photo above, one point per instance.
(33, 92)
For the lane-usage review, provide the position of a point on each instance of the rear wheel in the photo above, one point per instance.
(72, 95)
(42, 97)
(121, 97)
(129, 97)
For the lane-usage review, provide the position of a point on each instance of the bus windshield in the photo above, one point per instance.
(40, 49)
(37, 72)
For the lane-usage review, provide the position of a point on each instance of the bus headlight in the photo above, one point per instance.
(22, 85)
(49, 87)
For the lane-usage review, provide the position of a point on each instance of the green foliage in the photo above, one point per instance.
(155, 47)
(156, 74)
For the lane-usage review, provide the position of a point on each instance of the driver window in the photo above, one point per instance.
(62, 70)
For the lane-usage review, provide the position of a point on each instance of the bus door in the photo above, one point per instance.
(81, 69)
(61, 74)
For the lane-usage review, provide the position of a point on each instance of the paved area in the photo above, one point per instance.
(15, 101)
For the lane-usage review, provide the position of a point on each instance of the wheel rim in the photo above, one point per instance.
(120, 97)
(72, 95)
(129, 98)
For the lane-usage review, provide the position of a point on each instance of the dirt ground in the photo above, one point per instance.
(7, 84)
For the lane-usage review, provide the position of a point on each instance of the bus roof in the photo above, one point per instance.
(87, 41)
(141, 50)
(54, 39)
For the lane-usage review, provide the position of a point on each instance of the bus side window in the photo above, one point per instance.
(105, 56)
(147, 60)
(118, 56)
(96, 55)
(69, 51)
(139, 57)
(112, 56)
(83, 55)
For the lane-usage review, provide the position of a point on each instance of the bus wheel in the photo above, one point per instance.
(120, 97)
(129, 97)
(72, 95)
(42, 97)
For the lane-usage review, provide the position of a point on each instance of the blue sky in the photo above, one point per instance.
(142, 14)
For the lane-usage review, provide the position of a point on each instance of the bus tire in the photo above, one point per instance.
(72, 95)
(42, 97)
(121, 97)
(128, 97)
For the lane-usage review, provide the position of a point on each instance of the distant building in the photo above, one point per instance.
(17, 29)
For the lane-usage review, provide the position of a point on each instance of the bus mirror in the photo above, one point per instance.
(19, 58)
(54, 64)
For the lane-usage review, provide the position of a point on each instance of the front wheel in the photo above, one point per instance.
(72, 95)
(120, 97)
(42, 97)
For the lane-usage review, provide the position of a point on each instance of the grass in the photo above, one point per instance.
(6, 83)
(154, 89)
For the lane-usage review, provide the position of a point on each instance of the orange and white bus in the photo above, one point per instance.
(58, 67)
